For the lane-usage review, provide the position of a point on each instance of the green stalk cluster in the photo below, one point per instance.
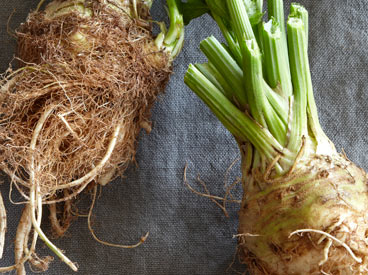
(259, 84)
(172, 40)
(260, 88)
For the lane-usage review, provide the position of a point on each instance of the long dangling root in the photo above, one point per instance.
(141, 241)
(36, 197)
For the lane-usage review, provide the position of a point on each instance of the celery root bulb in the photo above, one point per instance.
(89, 73)
(287, 225)
(304, 208)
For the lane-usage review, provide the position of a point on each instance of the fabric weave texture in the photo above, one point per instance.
(189, 234)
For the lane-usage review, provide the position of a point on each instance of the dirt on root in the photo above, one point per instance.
(109, 78)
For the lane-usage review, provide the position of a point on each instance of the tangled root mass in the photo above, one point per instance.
(93, 73)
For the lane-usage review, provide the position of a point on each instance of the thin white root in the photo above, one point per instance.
(72, 195)
(229, 169)
(228, 193)
(142, 240)
(13, 181)
(270, 167)
(35, 196)
(202, 194)
(325, 252)
(71, 131)
(13, 176)
(359, 260)
(245, 235)
(298, 156)
(2, 225)
(95, 171)
(35, 135)
(23, 229)
(333, 226)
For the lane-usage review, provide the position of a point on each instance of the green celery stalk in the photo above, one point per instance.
(298, 67)
(260, 108)
(276, 64)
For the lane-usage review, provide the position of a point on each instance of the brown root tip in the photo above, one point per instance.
(144, 238)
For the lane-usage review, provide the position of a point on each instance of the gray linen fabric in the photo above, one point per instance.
(190, 234)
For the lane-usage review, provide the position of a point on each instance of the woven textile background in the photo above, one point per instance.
(190, 234)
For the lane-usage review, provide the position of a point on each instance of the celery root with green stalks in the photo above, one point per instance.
(70, 115)
(304, 205)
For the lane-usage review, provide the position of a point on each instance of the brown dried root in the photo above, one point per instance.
(213, 198)
(38, 264)
(21, 240)
(24, 227)
(60, 227)
(142, 240)
(72, 113)
(231, 269)
(94, 93)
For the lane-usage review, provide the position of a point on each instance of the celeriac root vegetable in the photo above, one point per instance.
(89, 72)
(304, 207)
